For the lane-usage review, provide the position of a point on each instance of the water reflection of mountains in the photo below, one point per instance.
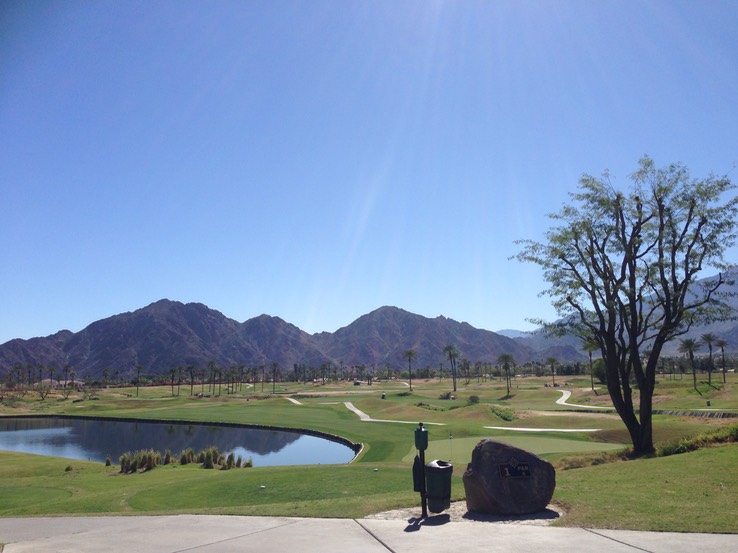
(116, 437)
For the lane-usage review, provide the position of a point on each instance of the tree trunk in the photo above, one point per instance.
(694, 370)
(640, 431)
(723, 353)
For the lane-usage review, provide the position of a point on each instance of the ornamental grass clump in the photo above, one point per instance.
(211, 457)
(148, 459)
(187, 456)
(139, 461)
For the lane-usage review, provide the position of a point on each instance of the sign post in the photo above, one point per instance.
(421, 444)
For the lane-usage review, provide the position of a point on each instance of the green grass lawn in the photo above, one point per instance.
(692, 492)
(686, 492)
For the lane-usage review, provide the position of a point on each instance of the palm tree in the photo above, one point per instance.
(191, 369)
(453, 354)
(722, 344)
(410, 355)
(138, 377)
(172, 372)
(689, 346)
(589, 347)
(552, 361)
(708, 338)
(41, 368)
(506, 360)
(275, 368)
(211, 369)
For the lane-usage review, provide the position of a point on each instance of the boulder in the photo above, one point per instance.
(506, 480)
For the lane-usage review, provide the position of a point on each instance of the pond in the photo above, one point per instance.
(94, 440)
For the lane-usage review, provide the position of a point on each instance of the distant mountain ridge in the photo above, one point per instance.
(168, 334)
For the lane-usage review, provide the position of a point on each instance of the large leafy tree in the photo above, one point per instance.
(622, 269)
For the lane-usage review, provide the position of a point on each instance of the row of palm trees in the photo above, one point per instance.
(451, 351)
(689, 346)
(41, 379)
(505, 360)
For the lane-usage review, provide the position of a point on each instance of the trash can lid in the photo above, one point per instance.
(438, 464)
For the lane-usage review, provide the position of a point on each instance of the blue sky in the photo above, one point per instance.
(317, 160)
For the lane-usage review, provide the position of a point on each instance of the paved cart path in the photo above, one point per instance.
(226, 534)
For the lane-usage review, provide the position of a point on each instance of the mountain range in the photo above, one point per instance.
(168, 334)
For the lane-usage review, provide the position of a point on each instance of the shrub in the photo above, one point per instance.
(187, 456)
(727, 434)
(207, 460)
(429, 406)
(133, 461)
(473, 400)
(211, 457)
(125, 462)
(592, 459)
(108, 461)
(502, 413)
(167, 457)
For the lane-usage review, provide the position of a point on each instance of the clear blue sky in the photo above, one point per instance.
(317, 160)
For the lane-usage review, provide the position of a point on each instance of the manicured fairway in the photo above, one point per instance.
(458, 450)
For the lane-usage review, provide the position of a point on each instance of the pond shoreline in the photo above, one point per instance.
(355, 447)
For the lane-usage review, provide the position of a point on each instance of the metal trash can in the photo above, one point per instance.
(438, 485)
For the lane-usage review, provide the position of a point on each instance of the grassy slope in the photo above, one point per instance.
(692, 492)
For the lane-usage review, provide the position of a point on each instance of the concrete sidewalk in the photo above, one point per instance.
(210, 534)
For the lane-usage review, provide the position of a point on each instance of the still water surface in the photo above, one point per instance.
(94, 440)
